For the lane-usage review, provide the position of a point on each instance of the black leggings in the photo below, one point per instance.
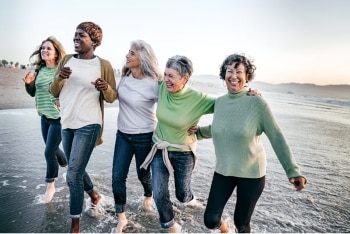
(222, 187)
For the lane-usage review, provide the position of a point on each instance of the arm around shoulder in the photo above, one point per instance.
(204, 132)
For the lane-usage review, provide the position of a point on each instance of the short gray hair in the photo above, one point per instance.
(181, 64)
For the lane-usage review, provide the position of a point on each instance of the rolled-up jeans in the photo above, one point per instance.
(182, 163)
(126, 146)
(78, 145)
(51, 132)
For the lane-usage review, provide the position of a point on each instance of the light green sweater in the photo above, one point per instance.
(238, 122)
(177, 112)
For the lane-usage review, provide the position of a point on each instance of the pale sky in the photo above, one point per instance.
(301, 41)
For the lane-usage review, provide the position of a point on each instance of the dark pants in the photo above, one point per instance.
(51, 132)
(126, 146)
(222, 187)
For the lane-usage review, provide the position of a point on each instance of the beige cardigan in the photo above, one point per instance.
(109, 95)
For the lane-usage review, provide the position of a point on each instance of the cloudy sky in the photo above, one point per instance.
(302, 41)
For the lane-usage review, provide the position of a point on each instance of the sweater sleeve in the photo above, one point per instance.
(57, 83)
(279, 143)
(109, 95)
(30, 88)
(204, 132)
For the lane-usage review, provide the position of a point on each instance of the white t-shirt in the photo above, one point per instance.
(137, 104)
(79, 100)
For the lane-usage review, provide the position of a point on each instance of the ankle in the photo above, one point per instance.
(176, 228)
(51, 185)
(75, 227)
(95, 197)
(223, 227)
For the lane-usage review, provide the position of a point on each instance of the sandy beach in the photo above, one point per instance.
(316, 128)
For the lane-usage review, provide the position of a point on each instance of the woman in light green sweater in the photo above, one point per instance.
(237, 124)
(174, 150)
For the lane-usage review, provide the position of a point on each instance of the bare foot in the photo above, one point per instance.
(193, 203)
(176, 228)
(147, 204)
(50, 191)
(75, 227)
(223, 227)
(122, 222)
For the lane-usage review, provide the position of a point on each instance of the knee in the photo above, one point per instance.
(71, 177)
(212, 221)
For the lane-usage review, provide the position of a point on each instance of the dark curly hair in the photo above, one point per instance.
(94, 31)
(238, 59)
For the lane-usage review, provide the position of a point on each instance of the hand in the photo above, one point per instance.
(100, 84)
(299, 182)
(29, 77)
(65, 72)
(192, 130)
(254, 92)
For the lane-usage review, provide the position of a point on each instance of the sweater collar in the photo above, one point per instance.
(238, 94)
(180, 93)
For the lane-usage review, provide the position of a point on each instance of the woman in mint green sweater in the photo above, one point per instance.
(237, 124)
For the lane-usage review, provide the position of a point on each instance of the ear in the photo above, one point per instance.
(186, 78)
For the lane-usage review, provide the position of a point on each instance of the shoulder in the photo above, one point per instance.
(66, 58)
(257, 102)
(105, 62)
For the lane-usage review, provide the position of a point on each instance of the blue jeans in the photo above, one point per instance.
(78, 145)
(126, 146)
(51, 132)
(182, 163)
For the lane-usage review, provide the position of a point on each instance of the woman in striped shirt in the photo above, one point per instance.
(47, 56)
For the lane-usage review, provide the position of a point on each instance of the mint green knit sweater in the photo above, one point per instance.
(238, 122)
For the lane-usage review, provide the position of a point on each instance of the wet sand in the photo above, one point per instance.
(316, 131)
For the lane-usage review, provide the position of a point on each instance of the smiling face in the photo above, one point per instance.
(132, 58)
(174, 82)
(235, 77)
(48, 52)
(82, 42)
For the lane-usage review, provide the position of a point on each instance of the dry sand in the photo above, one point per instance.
(13, 94)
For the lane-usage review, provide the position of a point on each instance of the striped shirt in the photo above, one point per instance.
(44, 101)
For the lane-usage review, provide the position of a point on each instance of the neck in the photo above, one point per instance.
(137, 74)
(50, 64)
(86, 56)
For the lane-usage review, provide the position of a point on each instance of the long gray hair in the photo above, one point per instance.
(148, 59)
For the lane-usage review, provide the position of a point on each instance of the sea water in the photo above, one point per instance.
(317, 130)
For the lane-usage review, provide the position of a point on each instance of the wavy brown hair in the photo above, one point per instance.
(36, 55)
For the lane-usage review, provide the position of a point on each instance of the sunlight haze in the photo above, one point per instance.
(300, 41)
